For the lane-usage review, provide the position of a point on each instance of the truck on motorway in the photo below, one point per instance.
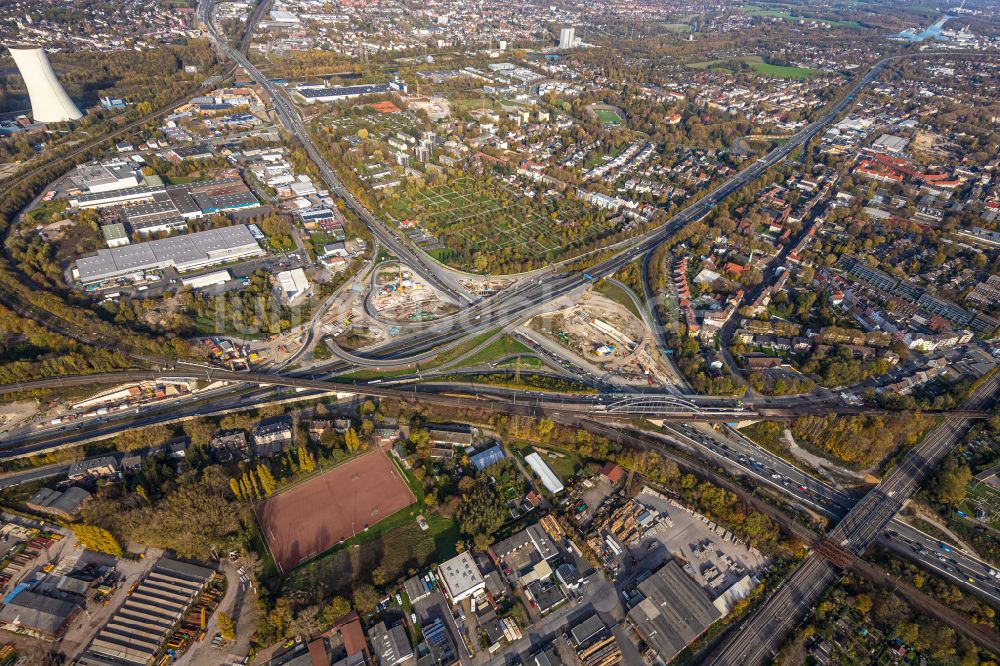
(946, 548)
(588, 277)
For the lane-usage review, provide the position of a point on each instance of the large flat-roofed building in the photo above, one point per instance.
(343, 92)
(115, 234)
(533, 539)
(136, 632)
(106, 176)
(461, 577)
(158, 215)
(197, 250)
(118, 197)
(674, 611)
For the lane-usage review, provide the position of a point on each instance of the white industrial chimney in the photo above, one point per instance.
(49, 102)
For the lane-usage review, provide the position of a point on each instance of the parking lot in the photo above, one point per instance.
(717, 563)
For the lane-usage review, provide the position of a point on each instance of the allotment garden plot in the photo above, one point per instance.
(472, 216)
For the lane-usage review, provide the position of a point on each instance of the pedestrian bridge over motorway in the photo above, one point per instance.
(668, 403)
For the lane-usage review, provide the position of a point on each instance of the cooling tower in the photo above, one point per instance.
(49, 102)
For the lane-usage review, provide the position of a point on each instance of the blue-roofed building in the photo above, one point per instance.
(490, 456)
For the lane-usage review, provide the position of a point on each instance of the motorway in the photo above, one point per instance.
(759, 638)
(742, 456)
(505, 307)
(437, 275)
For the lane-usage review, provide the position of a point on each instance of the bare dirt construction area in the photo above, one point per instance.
(397, 296)
(314, 516)
(605, 333)
(14, 414)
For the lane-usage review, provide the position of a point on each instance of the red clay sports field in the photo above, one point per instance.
(307, 519)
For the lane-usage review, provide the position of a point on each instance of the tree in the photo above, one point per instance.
(950, 484)
(365, 598)
(267, 482)
(545, 428)
(481, 511)
(234, 485)
(249, 487)
(97, 539)
(351, 441)
(306, 462)
(378, 576)
(226, 626)
(421, 440)
(200, 431)
(863, 604)
(336, 609)
(142, 438)
(482, 542)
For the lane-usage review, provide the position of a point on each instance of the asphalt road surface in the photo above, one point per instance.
(760, 637)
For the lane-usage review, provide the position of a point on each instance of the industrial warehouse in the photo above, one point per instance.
(137, 632)
(185, 253)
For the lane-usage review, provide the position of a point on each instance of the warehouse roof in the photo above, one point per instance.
(135, 633)
(38, 612)
(343, 91)
(675, 611)
(548, 477)
(114, 231)
(53, 501)
(200, 247)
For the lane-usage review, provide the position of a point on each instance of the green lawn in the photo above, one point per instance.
(367, 374)
(48, 211)
(781, 71)
(181, 180)
(608, 117)
(499, 348)
(319, 239)
(526, 363)
(759, 66)
(397, 550)
(753, 10)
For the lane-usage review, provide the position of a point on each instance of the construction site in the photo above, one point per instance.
(396, 296)
(605, 335)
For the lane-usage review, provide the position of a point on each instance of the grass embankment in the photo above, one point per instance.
(367, 374)
(502, 347)
(618, 295)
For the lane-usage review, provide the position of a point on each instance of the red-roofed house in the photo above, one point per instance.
(612, 472)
